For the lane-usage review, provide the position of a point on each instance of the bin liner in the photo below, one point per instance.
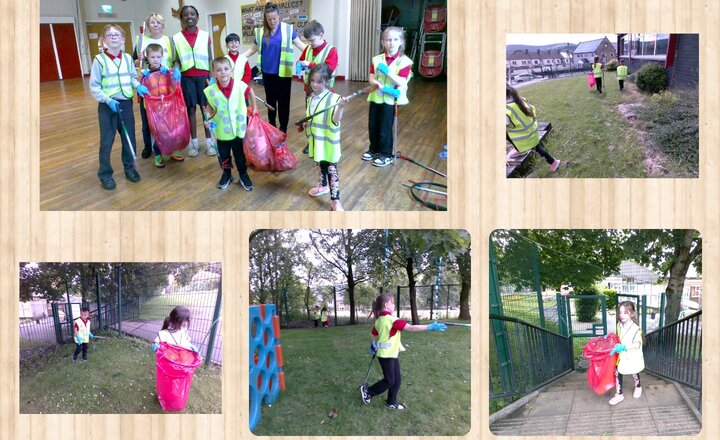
(175, 369)
(601, 373)
(264, 147)
(166, 112)
(591, 80)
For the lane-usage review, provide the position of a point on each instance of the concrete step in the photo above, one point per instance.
(578, 381)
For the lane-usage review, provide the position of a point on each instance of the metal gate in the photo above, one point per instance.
(574, 311)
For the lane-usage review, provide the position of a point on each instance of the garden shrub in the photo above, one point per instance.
(611, 66)
(586, 308)
(610, 298)
(652, 78)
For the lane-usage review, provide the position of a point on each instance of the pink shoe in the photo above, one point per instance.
(318, 191)
(554, 166)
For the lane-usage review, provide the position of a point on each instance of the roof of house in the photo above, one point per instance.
(588, 46)
(638, 273)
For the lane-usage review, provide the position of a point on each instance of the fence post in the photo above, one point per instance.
(562, 313)
(214, 326)
(538, 284)
(335, 304)
(495, 297)
(398, 302)
(119, 300)
(643, 302)
(68, 315)
(99, 304)
(447, 304)
(604, 315)
(498, 327)
(56, 321)
(662, 310)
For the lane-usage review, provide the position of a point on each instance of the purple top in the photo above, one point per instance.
(271, 52)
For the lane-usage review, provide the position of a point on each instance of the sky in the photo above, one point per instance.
(544, 39)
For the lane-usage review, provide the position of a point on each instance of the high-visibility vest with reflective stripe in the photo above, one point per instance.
(287, 55)
(621, 72)
(323, 135)
(597, 70)
(196, 56)
(395, 67)
(388, 347)
(238, 67)
(230, 114)
(524, 133)
(320, 58)
(116, 79)
(323, 316)
(180, 337)
(316, 314)
(83, 331)
(164, 42)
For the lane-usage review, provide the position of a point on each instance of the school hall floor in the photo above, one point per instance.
(69, 143)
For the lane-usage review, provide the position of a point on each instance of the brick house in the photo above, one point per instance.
(585, 52)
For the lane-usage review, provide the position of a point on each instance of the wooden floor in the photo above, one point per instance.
(69, 138)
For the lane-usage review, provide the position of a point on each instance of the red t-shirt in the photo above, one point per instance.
(77, 328)
(331, 60)
(228, 90)
(404, 73)
(111, 56)
(247, 74)
(191, 37)
(398, 326)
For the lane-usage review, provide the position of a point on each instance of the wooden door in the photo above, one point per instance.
(94, 30)
(48, 63)
(218, 32)
(67, 50)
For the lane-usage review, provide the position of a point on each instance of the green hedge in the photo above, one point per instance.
(610, 298)
(652, 78)
(586, 309)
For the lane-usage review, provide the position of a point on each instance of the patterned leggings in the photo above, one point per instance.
(328, 175)
(619, 381)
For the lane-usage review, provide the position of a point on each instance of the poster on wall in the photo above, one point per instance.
(296, 13)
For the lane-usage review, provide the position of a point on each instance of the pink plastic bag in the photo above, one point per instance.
(166, 112)
(601, 373)
(175, 367)
(591, 80)
(264, 147)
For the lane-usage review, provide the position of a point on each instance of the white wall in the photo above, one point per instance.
(334, 15)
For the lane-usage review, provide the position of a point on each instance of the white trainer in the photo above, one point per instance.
(617, 399)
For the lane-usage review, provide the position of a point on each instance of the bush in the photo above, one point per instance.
(632, 78)
(611, 66)
(610, 298)
(586, 309)
(652, 78)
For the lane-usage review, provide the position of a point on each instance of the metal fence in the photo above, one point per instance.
(444, 305)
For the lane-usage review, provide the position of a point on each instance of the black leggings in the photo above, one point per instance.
(391, 382)
(328, 176)
(83, 347)
(619, 381)
(277, 94)
(598, 81)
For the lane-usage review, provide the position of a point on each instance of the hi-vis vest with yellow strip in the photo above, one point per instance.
(196, 56)
(597, 70)
(323, 135)
(83, 330)
(287, 55)
(524, 133)
(631, 361)
(621, 72)
(319, 59)
(395, 67)
(230, 114)
(116, 79)
(164, 42)
(388, 347)
(323, 316)
(238, 67)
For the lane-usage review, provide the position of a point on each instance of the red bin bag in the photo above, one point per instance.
(601, 373)
(175, 367)
(166, 112)
(264, 147)
(591, 80)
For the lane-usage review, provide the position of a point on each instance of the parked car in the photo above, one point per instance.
(524, 77)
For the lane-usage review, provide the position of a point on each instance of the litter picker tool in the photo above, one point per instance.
(364, 91)
(431, 194)
(127, 137)
(457, 324)
(271, 108)
(400, 155)
(365, 381)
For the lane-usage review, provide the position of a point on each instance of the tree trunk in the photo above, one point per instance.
(351, 299)
(464, 266)
(684, 257)
(409, 270)
(307, 301)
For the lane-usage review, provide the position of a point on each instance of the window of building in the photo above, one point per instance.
(648, 46)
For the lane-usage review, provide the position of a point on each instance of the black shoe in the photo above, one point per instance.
(108, 183)
(365, 394)
(74, 359)
(395, 406)
(306, 150)
(132, 175)
(245, 182)
(369, 155)
(225, 180)
(146, 153)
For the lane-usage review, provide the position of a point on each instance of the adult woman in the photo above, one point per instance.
(275, 60)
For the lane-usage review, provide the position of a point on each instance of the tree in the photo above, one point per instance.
(670, 252)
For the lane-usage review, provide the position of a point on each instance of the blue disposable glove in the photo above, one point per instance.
(114, 105)
(164, 69)
(618, 348)
(383, 68)
(155, 346)
(395, 93)
(373, 348)
(212, 81)
(142, 90)
(77, 340)
(176, 73)
(145, 73)
(298, 69)
(92, 336)
(436, 326)
(212, 125)
(194, 348)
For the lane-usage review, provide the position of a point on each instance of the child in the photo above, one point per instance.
(631, 359)
(112, 79)
(522, 128)
(154, 56)
(389, 72)
(323, 132)
(323, 317)
(193, 51)
(238, 63)
(597, 73)
(316, 316)
(82, 334)
(622, 74)
(318, 51)
(175, 330)
(387, 330)
(227, 112)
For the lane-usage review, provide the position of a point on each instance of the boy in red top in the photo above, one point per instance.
(240, 64)
(82, 334)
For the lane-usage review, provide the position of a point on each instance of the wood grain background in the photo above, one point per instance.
(481, 200)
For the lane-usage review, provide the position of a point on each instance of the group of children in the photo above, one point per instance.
(224, 98)
(597, 72)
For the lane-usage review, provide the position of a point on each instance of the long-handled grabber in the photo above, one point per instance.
(300, 123)
(399, 155)
(368, 371)
(271, 108)
(127, 137)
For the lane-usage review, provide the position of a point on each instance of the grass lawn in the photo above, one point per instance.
(119, 377)
(324, 367)
(590, 135)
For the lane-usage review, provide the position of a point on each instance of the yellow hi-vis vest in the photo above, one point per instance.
(388, 347)
(180, 337)
(323, 316)
(164, 42)
(319, 59)
(323, 135)
(116, 79)
(621, 72)
(631, 361)
(316, 314)
(230, 114)
(287, 55)
(524, 134)
(238, 67)
(196, 56)
(597, 70)
(395, 67)
(83, 330)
